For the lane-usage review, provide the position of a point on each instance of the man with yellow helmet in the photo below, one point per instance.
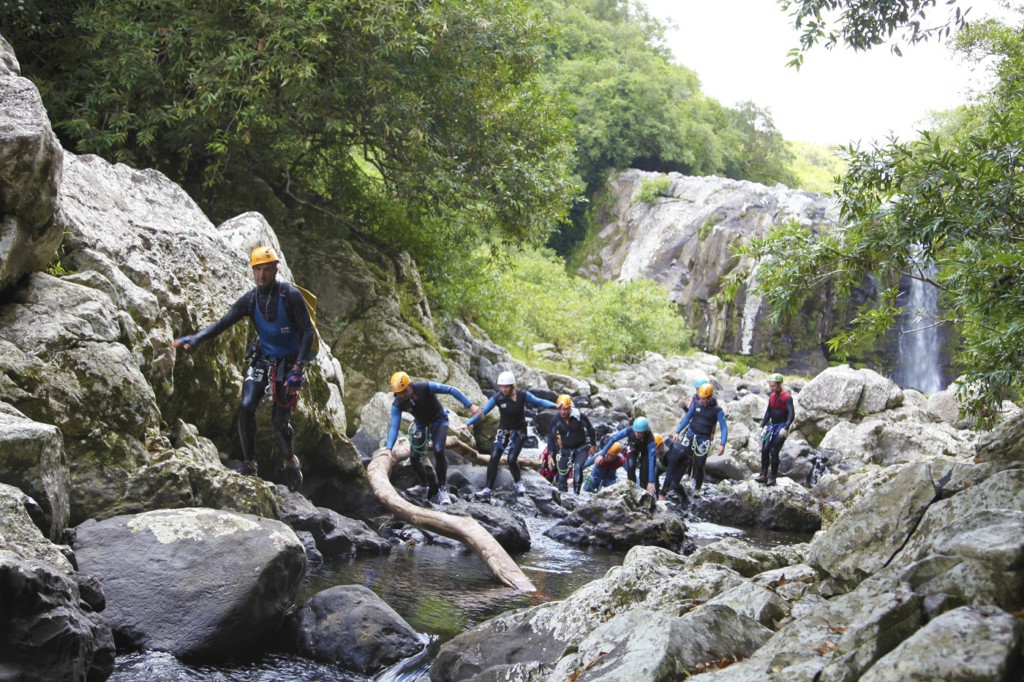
(430, 423)
(699, 423)
(605, 467)
(284, 336)
(572, 437)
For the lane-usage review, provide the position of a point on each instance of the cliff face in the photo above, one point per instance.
(683, 239)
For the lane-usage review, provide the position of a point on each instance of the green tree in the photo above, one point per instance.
(863, 24)
(383, 116)
(954, 199)
(759, 152)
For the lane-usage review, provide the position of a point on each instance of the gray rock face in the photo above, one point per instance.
(619, 517)
(33, 460)
(683, 241)
(351, 626)
(784, 507)
(198, 583)
(967, 643)
(49, 630)
(31, 163)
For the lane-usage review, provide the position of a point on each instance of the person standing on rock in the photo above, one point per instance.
(430, 422)
(778, 419)
(640, 448)
(284, 336)
(511, 404)
(572, 437)
(699, 423)
(605, 468)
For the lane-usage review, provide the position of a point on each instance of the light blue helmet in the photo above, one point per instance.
(640, 424)
(697, 383)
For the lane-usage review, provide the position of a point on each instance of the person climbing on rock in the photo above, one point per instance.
(699, 422)
(677, 462)
(572, 437)
(430, 423)
(511, 404)
(605, 467)
(284, 336)
(778, 419)
(640, 448)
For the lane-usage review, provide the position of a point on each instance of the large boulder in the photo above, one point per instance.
(619, 517)
(198, 583)
(788, 506)
(352, 627)
(32, 459)
(49, 626)
(31, 164)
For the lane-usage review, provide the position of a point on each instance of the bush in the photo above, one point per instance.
(652, 188)
(530, 298)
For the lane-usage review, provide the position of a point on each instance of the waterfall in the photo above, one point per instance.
(920, 349)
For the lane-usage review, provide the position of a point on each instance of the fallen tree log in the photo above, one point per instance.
(462, 528)
(483, 457)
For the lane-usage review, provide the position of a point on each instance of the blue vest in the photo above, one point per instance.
(280, 339)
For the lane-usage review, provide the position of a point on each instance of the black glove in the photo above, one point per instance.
(295, 379)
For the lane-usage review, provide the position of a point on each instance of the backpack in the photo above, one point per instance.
(309, 298)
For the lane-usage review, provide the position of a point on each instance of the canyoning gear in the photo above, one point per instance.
(640, 451)
(506, 379)
(697, 383)
(486, 493)
(399, 382)
(277, 388)
(519, 488)
(511, 429)
(263, 254)
(187, 340)
(563, 401)
(775, 378)
(640, 424)
(777, 420)
(705, 391)
(443, 498)
(615, 449)
(659, 440)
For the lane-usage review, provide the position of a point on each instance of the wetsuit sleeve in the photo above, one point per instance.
(687, 417)
(553, 439)
(486, 408)
(590, 461)
(396, 422)
(652, 458)
(449, 390)
(297, 310)
(617, 436)
(239, 311)
(721, 422)
(790, 413)
(531, 399)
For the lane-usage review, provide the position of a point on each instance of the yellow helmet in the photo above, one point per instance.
(564, 401)
(705, 391)
(615, 449)
(658, 440)
(399, 382)
(261, 255)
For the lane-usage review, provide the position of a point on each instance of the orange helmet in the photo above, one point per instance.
(564, 401)
(658, 440)
(399, 382)
(263, 254)
(705, 391)
(615, 449)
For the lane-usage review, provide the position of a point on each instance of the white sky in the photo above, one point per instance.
(739, 50)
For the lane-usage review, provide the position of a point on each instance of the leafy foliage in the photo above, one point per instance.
(530, 298)
(373, 115)
(652, 188)
(815, 168)
(864, 24)
(954, 199)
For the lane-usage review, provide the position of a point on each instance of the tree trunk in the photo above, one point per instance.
(462, 528)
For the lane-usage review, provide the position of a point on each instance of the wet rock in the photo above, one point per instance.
(198, 583)
(33, 461)
(619, 517)
(786, 506)
(51, 626)
(351, 626)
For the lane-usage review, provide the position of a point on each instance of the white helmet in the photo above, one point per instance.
(506, 379)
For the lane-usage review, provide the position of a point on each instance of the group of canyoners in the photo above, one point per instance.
(281, 350)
